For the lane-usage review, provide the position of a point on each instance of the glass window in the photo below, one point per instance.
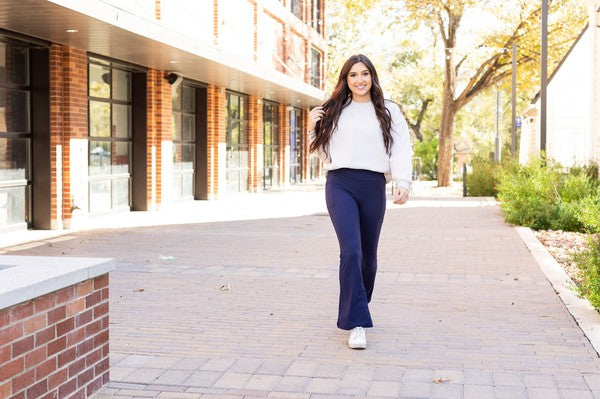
(13, 201)
(120, 193)
(270, 147)
(237, 143)
(234, 132)
(100, 195)
(176, 126)
(295, 145)
(15, 134)
(121, 120)
(14, 64)
(121, 85)
(100, 159)
(189, 101)
(176, 98)
(14, 110)
(110, 131)
(188, 127)
(99, 81)
(315, 13)
(120, 157)
(14, 158)
(184, 141)
(315, 68)
(295, 8)
(99, 119)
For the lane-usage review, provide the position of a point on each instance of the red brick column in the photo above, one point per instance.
(56, 345)
(157, 10)
(159, 119)
(307, 60)
(284, 141)
(255, 125)
(216, 126)
(68, 117)
(216, 22)
(285, 47)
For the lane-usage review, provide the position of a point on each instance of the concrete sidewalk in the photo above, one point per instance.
(247, 308)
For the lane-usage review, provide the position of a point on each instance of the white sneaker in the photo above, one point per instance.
(357, 339)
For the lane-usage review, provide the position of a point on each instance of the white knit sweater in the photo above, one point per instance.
(357, 143)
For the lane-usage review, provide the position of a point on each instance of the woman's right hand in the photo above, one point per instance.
(315, 115)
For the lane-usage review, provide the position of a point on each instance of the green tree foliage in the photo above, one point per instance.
(469, 52)
(426, 157)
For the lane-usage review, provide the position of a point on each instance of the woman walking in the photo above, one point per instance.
(361, 138)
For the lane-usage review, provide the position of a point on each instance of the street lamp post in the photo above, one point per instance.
(513, 127)
(497, 141)
(544, 75)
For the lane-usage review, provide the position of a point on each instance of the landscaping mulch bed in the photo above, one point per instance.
(562, 245)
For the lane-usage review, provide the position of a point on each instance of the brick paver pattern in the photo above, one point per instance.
(248, 309)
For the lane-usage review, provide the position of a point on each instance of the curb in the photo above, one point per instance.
(586, 316)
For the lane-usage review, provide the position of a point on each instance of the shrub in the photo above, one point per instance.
(575, 206)
(589, 262)
(590, 171)
(567, 216)
(575, 187)
(589, 212)
(482, 180)
(528, 194)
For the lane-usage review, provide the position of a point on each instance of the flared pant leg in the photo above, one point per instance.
(356, 204)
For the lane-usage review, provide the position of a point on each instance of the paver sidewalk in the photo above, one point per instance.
(248, 309)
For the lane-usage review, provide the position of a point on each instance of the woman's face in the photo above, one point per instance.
(359, 82)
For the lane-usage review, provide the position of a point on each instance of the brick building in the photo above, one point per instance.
(110, 106)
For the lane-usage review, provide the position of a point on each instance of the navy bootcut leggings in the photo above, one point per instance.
(356, 203)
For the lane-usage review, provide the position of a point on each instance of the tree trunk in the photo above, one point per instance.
(447, 128)
(444, 174)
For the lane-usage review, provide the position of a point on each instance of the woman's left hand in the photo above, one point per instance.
(401, 195)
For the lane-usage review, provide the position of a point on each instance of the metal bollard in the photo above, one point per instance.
(464, 179)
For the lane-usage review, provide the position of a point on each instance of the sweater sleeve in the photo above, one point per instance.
(319, 152)
(402, 152)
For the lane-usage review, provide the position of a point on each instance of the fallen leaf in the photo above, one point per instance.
(139, 290)
(225, 287)
(441, 380)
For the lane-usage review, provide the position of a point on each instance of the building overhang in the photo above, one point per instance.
(105, 30)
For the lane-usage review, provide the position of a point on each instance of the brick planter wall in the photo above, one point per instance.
(56, 345)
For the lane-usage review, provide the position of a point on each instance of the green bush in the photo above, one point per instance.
(589, 212)
(567, 216)
(590, 171)
(575, 207)
(528, 194)
(575, 187)
(589, 262)
(482, 180)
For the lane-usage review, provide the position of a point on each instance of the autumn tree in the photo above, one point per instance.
(470, 70)
(398, 57)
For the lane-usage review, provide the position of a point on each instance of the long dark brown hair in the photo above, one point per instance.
(342, 96)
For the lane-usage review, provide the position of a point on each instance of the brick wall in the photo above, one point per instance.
(216, 125)
(56, 346)
(159, 120)
(216, 22)
(157, 10)
(255, 138)
(68, 115)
